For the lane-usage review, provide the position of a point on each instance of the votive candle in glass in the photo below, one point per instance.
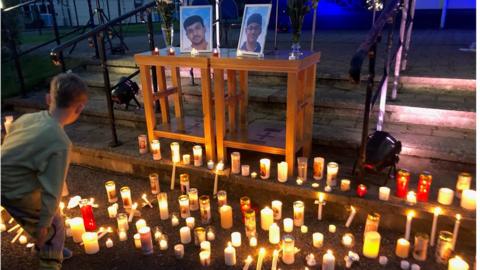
(226, 216)
(146, 240)
(190, 222)
(411, 198)
(318, 164)
(277, 209)
(298, 213)
(372, 223)
(245, 204)
(163, 242)
(175, 150)
(317, 239)
(288, 225)
(154, 183)
(348, 240)
(266, 218)
(282, 172)
(274, 234)
(221, 198)
(87, 215)
(332, 172)
(199, 235)
(345, 185)
(184, 183)
(184, 204)
(250, 223)
(179, 250)
(457, 263)
(186, 159)
(420, 248)
(302, 168)
(235, 162)
(371, 244)
(361, 190)
(111, 191)
(236, 238)
(197, 156)
(142, 144)
(205, 212)
(210, 233)
(444, 247)
(468, 200)
(463, 182)
(140, 224)
(185, 235)
(264, 168)
(193, 198)
(77, 228)
(126, 197)
(423, 189)
(90, 242)
(383, 193)
(122, 222)
(445, 196)
(162, 199)
(155, 147)
(245, 170)
(288, 249)
(112, 210)
(403, 178)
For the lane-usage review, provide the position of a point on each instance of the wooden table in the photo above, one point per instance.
(297, 133)
(180, 127)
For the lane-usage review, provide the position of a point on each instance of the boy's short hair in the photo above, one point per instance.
(191, 20)
(66, 90)
(255, 18)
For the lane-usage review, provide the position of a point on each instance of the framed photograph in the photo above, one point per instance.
(196, 28)
(254, 29)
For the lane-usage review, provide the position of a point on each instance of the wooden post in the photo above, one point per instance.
(292, 107)
(219, 86)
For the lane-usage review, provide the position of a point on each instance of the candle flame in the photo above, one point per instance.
(261, 251)
(229, 244)
(134, 206)
(249, 259)
(219, 166)
(321, 196)
(353, 208)
(437, 211)
(329, 251)
(109, 229)
(62, 205)
(458, 217)
(411, 214)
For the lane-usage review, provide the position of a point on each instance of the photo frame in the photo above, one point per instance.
(254, 29)
(196, 28)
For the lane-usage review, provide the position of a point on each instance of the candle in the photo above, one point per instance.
(361, 190)
(215, 52)
(321, 198)
(403, 178)
(87, 215)
(468, 200)
(245, 170)
(350, 218)
(90, 242)
(348, 240)
(163, 242)
(411, 198)
(197, 156)
(144, 198)
(126, 197)
(163, 205)
(250, 223)
(154, 183)
(345, 185)
(171, 51)
(137, 241)
(210, 165)
(221, 198)
(253, 175)
(264, 168)
(318, 164)
(266, 218)
(332, 228)
(8, 123)
(371, 244)
(298, 213)
(184, 203)
(463, 182)
(22, 240)
(282, 172)
(304, 229)
(402, 249)
(317, 239)
(253, 242)
(156, 51)
(185, 235)
(226, 217)
(288, 249)
(277, 209)
(235, 162)
(248, 261)
(142, 144)
(77, 227)
(445, 196)
(218, 168)
(230, 255)
(244, 205)
(420, 248)
(193, 199)
(261, 255)
(205, 245)
(457, 263)
(204, 258)
(383, 260)
(236, 238)
(328, 262)
(175, 151)
(140, 224)
(404, 265)
(205, 212)
(186, 159)
(332, 171)
(302, 168)
(146, 240)
(132, 212)
(184, 183)
(408, 224)
(288, 225)
(383, 193)
(109, 243)
(423, 189)
(436, 212)
(455, 230)
(19, 233)
(155, 148)
(210, 233)
(274, 259)
(111, 192)
(112, 210)
(122, 235)
(444, 247)
(179, 251)
(175, 220)
(190, 222)
(200, 235)
(372, 223)
(274, 234)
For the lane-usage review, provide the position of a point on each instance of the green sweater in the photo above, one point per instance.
(35, 158)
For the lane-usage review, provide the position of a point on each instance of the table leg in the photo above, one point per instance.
(219, 86)
(292, 106)
(146, 81)
(232, 92)
(243, 104)
(207, 114)
(301, 93)
(162, 87)
(309, 109)
(176, 82)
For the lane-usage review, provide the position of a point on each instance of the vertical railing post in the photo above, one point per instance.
(16, 60)
(314, 25)
(76, 12)
(120, 31)
(57, 35)
(276, 26)
(398, 58)
(408, 38)
(92, 25)
(151, 45)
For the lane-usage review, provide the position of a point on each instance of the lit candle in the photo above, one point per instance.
(142, 144)
(372, 222)
(8, 123)
(19, 233)
(463, 182)
(206, 245)
(245, 170)
(210, 233)
(175, 151)
(411, 198)
(408, 225)
(87, 215)
(215, 52)
(455, 230)
(184, 203)
(436, 212)
(205, 212)
(445, 196)
(156, 51)
(298, 213)
(361, 190)
(144, 198)
(154, 183)
(218, 169)
(371, 244)
(277, 209)
(111, 192)
(185, 235)
(235, 162)
(197, 156)
(221, 198)
(77, 228)
(253, 241)
(140, 224)
(282, 172)
(332, 228)
(457, 263)
(423, 189)
(171, 51)
(261, 255)
(137, 241)
(146, 240)
(226, 217)
(184, 183)
(328, 262)
(186, 159)
(190, 222)
(274, 234)
(274, 259)
(317, 239)
(122, 235)
(468, 200)
(193, 198)
(420, 247)
(345, 185)
(264, 168)
(163, 242)
(348, 240)
(248, 261)
(318, 164)
(287, 225)
(402, 249)
(155, 148)
(230, 255)
(302, 168)
(383, 193)
(350, 218)
(210, 165)
(132, 212)
(332, 171)
(90, 242)
(179, 250)
(288, 249)
(109, 243)
(321, 198)
(403, 178)
(236, 238)
(200, 235)
(163, 205)
(253, 175)
(204, 257)
(126, 197)
(266, 218)
(250, 223)
(304, 229)
(444, 247)
(112, 210)
(175, 220)
(22, 240)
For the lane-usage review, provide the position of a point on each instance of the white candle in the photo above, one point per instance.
(197, 156)
(332, 171)
(175, 151)
(142, 144)
(186, 159)
(162, 199)
(445, 196)
(144, 198)
(298, 213)
(261, 255)
(137, 241)
(468, 200)
(350, 218)
(146, 240)
(403, 248)
(221, 198)
(264, 168)
(230, 255)
(184, 204)
(109, 243)
(218, 169)
(288, 249)
(140, 224)
(210, 165)
(408, 225)
(253, 242)
(155, 148)
(275, 259)
(132, 212)
(282, 172)
(172, 179)
(122, 235)
(383, 193)
(77, 227)
(90, 242)
(317, 239)
(302, 168)
(411, 198)
(112, 210)
(436, 212)
(245, 170)
(179, 251)
(457, 263)
(332, 228)
(175, 220)
(236, 239)
(190, 221)
(22, 240)
(287, 225)
(235, 162)
(277, 209)
(318, 164)
(328, 262)
(111, 191)
(463, 182)
(321, 198)
(274, 234)
(210, 233)
(304, 229)
(371, 244)
(266, 216)
(193, 198)
(185, 235)
(163, 243)
(205, 245)
(204, 257)
(226, 217)
(348, 240)
(248, 261)
(455, 231)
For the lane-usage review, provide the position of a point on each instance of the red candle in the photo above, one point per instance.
(87, 215)
(171, 51)
(403, 177)
(245, 204)
(361, 190)
(424, 182)
(215, 52)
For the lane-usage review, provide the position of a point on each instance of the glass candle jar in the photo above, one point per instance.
(264, 168)
(288, 249)
(235, 162)
(162, 199)
(193, 198)
(221, 198)
(298, 213)
(361, 190)
(250, 223)
(155, 148)
(175, 149)
(403, 178)
(302, 168)
(318, 164)
(245, 204)
(184, 203)
(87, 215)
(199, 235)
(205, 213)
(210, 233)
(154, 183)
(332, 172)
(420, 248)
(372, 223)
(122, 222)
(184, 183)
(163, 242)
(444, 247)
(463, 182)
(126, 197)
(197, 156)
(424, 183)
(142, 144)
(111, 191)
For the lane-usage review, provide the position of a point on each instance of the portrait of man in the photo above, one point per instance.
(196, 28)
(254, 29)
